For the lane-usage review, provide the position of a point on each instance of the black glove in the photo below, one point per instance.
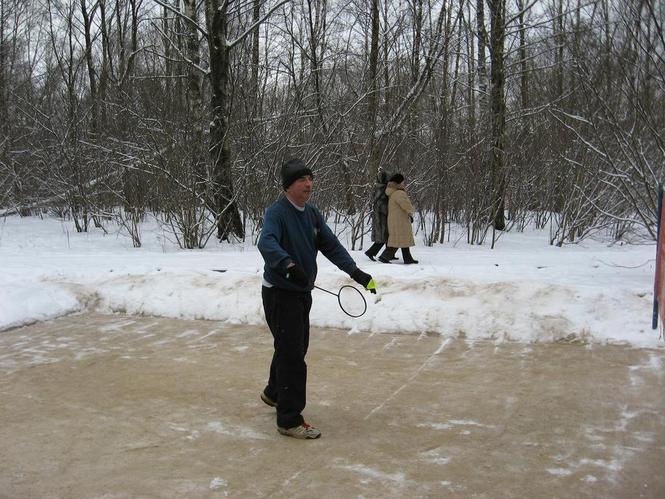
(411, 218)
(364, 280)
(296, 274)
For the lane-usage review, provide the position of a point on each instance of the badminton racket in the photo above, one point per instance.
(350, 299)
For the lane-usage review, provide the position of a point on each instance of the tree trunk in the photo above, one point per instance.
(471, 86)
(372, 92)
(15, 189)
(482, 44)
(134, 43)
(256, 108)
(417, 39)
(105, 71)
(524, 75)
(316, 18)
(446, 97)
(198, 160)
(229, 222)
(87, 22)
(559, 39)
(498, 114)
(194, 97)
(121, 39)
(4, 75)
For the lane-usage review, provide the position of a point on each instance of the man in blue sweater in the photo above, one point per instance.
(292, 235)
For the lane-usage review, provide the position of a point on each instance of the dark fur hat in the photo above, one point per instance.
(398, 178)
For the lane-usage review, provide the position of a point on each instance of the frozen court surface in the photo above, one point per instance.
(115, 406)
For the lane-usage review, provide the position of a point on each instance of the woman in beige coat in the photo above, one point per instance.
(400, 216)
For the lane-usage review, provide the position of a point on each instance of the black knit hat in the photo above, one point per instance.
(292, 170)
(398, 178)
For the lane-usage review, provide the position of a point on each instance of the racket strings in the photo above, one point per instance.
(351, 301)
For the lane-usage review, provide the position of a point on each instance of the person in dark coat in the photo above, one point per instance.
(400, 217)
(379, 215)
(293, 233)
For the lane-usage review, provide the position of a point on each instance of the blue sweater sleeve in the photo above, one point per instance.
(275, 257)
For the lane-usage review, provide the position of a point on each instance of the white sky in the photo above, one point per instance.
(522, 290)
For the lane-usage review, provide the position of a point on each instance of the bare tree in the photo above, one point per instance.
(219, 47)
(372, 88)
(497, 113)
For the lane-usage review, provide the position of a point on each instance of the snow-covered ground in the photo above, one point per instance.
(522, 290)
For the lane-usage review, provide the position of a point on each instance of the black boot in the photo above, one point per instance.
(387, 255)
(373, 250)
(406, 255)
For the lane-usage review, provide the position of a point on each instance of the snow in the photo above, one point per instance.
(522, 290)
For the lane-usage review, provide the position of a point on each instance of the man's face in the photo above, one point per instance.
(300, 191)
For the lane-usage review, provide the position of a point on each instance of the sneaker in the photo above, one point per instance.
(303, 432)
(267, 400)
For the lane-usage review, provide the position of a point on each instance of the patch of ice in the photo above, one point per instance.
(654, 365)
(188, 333)
(234, 430)
(465, 422)
(390, 344)
(374, 474)
(433, 456)
(217, 483)
(454, 422)
(602, 463)
(453, 487)
(559, 471)
(194, 435)
(114, 327)
(436, 426)
(644, 436)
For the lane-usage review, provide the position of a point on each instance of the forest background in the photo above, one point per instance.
(502, 114)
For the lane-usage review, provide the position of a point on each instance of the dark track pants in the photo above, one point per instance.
(287, 315)
(374, 249)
